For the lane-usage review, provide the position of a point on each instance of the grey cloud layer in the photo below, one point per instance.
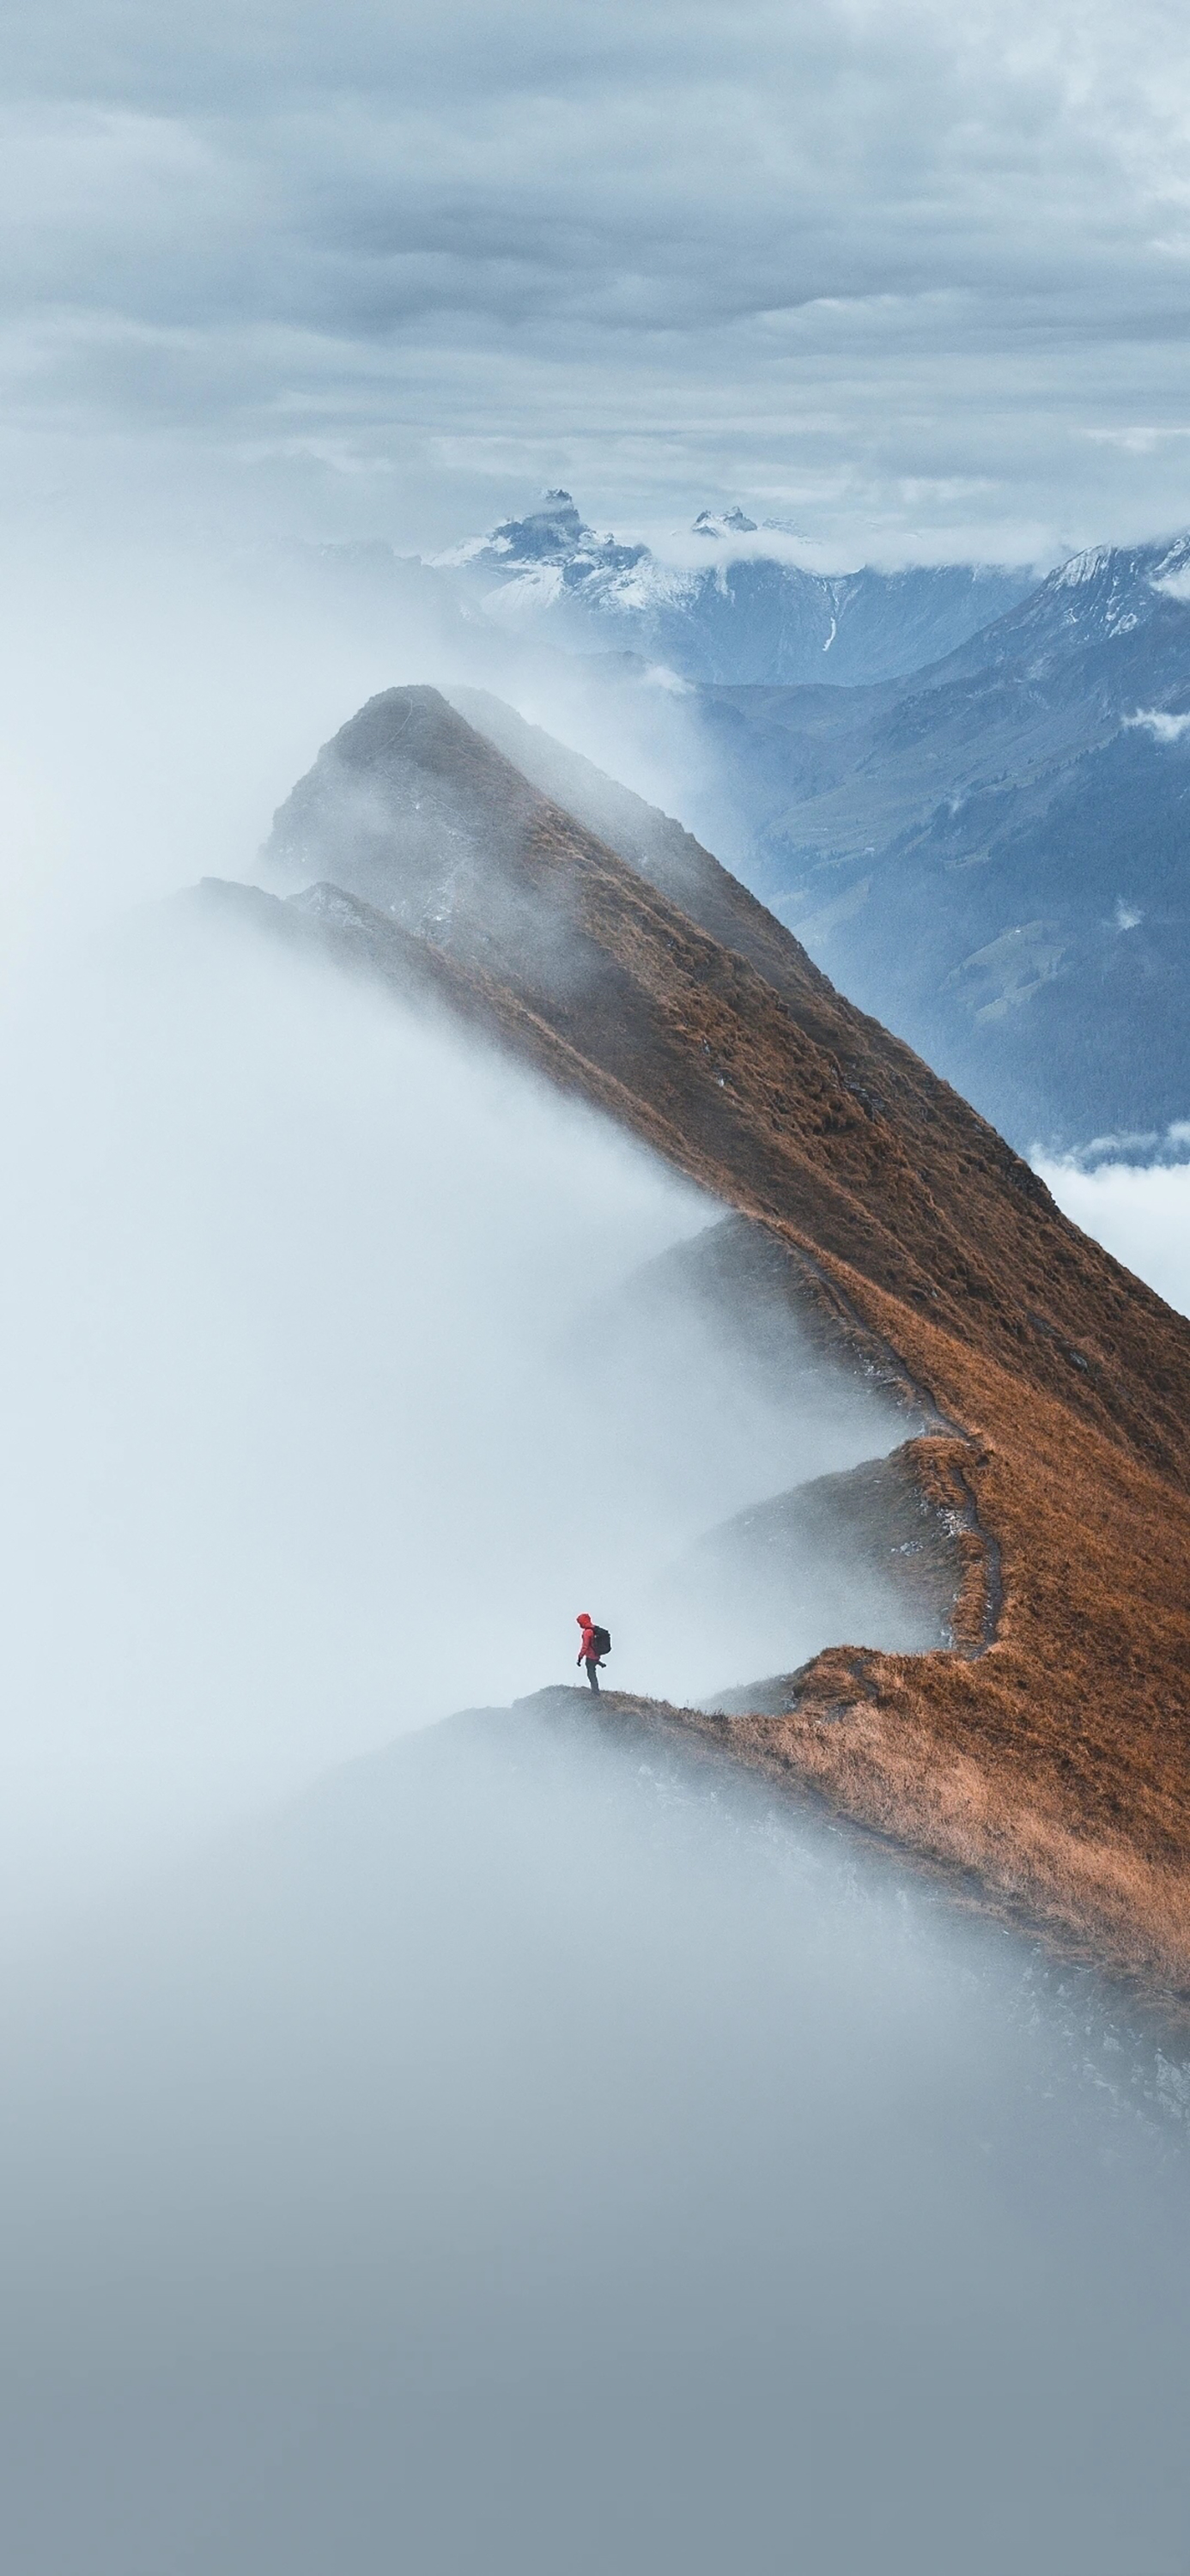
(890, 270)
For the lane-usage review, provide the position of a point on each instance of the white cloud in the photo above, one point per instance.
(1154, 720)
(1140, 1212)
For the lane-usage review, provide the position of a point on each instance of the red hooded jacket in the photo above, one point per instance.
(586, 1652)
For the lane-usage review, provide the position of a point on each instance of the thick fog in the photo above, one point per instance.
(326, 1409)
(532, 2153)
(1139, 1208)
(158, 702)
(516, 2149)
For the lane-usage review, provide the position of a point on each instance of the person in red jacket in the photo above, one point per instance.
(588, 1652)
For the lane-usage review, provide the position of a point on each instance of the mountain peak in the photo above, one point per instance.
(552, 538)
(1104, 593)
(547, 534)
(723, 523)
(738, 615)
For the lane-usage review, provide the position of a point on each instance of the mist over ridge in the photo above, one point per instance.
(659, 988)
(524, 2140)
(638, 1060)
(526, 2146)
(322, 1398)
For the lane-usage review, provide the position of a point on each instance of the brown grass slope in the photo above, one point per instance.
(1055, 1763)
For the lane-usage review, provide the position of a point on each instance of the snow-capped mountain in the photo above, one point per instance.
(724, 523)
(995, 857)
(748, 616)
(1099, 597)
(551, 539)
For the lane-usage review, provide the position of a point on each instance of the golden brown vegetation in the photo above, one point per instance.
(1055, 1764)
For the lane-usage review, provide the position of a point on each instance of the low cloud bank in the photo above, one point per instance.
(1140, 1210)
(521, 2152)
(534, 2153)
(317, 1425)
(1156, 720)
(306, 1441)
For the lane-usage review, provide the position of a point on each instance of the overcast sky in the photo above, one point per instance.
(912, 276)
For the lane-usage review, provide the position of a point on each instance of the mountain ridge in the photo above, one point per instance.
(741, 615)
(1055, 1760)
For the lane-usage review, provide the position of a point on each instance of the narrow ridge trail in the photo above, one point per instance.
(1048, 1750)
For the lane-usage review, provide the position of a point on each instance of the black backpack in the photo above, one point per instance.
(601, 1640)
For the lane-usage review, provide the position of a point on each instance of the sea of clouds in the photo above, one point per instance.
(1133, 1195)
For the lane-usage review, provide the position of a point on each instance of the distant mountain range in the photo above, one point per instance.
(996, 856)
(968, 791)
(736, 617)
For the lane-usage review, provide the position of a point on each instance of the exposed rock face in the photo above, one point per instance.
(1049, 1747)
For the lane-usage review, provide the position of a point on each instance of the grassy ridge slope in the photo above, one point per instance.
(1057, 1762)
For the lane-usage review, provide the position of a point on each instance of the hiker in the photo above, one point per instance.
(594, 1644)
